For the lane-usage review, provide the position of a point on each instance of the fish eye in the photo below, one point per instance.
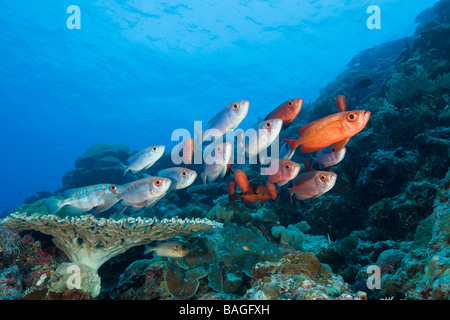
(113, 188)
(235, 106)
(290, 103)
(157, 182)
(154, 149)
(333, 150)
(287, 166)
(323, 178)
(184, 173)
(351, 116)
(268, 125)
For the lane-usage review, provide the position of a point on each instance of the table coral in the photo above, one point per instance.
(89, 242)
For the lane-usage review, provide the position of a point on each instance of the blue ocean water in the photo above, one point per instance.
(137, 70)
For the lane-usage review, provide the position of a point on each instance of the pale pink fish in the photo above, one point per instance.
(287, 170)
(144, 159)
(143, 193)
(216, 162)
(181, 177)
(313, 184)
(188, 151)
(229, 117)
(102, 196)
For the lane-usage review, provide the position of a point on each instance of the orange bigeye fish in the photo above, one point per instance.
(287, 170)
(143, 193)
(242, 182)
(271, 190)
(287, 111)
(102, 196)
(335, 130)
(312, 184)
(260, 195)
(144, 159)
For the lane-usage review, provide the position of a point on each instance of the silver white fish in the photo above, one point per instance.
(216, 157)
(102, 196)
(229, 117)
(144, 159)
(181, 177)
(143, 192)
(170, 249)
(263, 136)
(328, 157)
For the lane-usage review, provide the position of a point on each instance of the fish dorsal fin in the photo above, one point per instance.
(341, 105)
(70, 192)
(216, 117)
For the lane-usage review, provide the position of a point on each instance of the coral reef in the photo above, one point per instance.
(390, 207)
(89, 242)
(298, 276)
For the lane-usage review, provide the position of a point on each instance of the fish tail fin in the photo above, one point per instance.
(293, 144)
(125, 169)
(291, 193)
(203, 176)
(110, 200)
(307, 164)
(148, 249)
(53, 205)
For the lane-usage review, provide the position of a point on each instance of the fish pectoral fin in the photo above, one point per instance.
(110, 200)
(338, 146)
(99, 209)
(151, 202)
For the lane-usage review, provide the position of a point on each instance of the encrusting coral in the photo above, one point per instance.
(89, 242)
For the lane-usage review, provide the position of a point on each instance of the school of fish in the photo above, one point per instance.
(327, 137)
